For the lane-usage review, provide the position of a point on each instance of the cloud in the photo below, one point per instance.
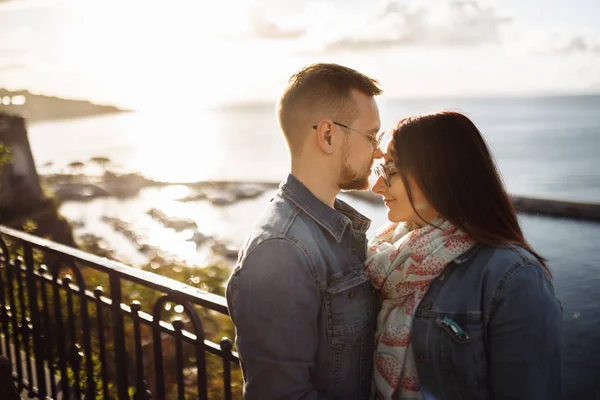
(11, 67)
(577, 44)
(452, 23)
(263, 28)
(563, 43)
(18, 5)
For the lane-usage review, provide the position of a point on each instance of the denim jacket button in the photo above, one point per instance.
(353, 249)
(351, 294)
(420, 358)
(426, 306)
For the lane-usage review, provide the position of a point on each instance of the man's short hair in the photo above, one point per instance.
(320, 91)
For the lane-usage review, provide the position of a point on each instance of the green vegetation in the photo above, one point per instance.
(101, 161)
(76, 166)
(4, 154)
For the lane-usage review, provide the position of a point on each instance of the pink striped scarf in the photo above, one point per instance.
(402, 260)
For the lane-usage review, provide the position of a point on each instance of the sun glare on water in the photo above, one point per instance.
(177, 147)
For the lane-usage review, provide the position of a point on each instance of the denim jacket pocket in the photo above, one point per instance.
(463, 355)
(347, 305)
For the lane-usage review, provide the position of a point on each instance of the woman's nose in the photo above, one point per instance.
(378, 153)
(379, 187)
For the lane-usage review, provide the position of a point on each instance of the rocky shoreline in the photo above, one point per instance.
(79, 187)
(83, 188)
(219, 246)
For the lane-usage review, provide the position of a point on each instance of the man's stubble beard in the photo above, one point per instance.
(349, 179)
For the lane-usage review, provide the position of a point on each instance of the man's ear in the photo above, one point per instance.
(324, 135)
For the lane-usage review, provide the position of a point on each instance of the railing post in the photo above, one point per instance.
(38, 338)
(158, 358)
(49, 330)
(226, 347)
(119, 337)
(98, 292)
(13, 314)
(8, 391)
(4, 307)
(74, 355)
(63, 384)
(178, 326)
(24, 328)
(141, 390)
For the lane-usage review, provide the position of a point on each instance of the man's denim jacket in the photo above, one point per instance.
(490, 327)
(302, 304)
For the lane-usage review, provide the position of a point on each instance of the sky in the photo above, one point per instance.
(152, 53)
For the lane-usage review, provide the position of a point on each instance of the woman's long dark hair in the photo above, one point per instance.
(451, 163)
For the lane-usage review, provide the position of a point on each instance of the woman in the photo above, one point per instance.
(469, 310)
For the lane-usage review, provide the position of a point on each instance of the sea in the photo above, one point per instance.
(546, 147)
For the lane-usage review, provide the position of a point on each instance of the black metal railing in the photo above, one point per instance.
(65, 327)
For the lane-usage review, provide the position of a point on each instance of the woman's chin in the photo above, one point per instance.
(393, 217)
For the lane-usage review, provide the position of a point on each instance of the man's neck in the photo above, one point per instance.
(318, 184)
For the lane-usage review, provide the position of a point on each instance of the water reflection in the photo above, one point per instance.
(170, 148)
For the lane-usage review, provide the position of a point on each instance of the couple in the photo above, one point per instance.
(448, 301)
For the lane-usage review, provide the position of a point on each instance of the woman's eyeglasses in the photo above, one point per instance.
(386, 171)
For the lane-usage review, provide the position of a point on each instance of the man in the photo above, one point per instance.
(299, 296)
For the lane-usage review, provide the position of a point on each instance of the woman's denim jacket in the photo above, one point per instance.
(490, 327)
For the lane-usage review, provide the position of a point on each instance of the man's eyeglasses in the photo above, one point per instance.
(386, 171)
(375, 140)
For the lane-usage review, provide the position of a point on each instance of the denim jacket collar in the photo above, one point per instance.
(333, 221)
(467, 255)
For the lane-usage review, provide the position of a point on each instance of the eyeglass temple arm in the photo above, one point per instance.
(339, 124)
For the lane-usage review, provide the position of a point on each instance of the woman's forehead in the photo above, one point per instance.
(387, 154)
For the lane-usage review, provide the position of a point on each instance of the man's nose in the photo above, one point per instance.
(378, 153)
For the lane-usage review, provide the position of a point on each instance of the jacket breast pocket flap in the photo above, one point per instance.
(461, 328)
(347, 304)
